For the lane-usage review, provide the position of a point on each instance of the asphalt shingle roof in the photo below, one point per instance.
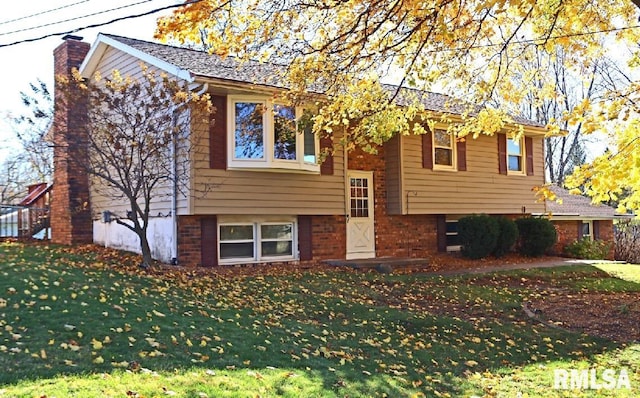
(205, 65)
(579, 206)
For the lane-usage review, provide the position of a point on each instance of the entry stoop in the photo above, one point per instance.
(383, 265)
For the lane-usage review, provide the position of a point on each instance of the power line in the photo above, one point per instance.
(96, 25)
(75, 18)
(42, 12)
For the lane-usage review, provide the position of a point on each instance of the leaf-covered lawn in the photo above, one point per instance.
(84, 322)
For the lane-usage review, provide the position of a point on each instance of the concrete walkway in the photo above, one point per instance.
(556, 262)
(388, 264)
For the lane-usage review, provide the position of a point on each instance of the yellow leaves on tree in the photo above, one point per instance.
(615, 175)
(472, 50)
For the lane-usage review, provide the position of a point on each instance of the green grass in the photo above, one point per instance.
(78, 323)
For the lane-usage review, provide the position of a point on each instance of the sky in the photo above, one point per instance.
(26, 62)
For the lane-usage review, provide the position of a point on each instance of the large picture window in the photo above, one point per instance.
(268, 135)
(258, 241)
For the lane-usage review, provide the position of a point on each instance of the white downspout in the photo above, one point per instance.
(174, 201)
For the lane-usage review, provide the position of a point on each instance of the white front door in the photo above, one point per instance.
(361, 239)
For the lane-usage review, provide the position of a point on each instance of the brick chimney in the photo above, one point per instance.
(70, 208)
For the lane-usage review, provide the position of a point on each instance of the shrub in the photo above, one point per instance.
(507, 236)
(478, 235)
(537, 235)
(588, 249)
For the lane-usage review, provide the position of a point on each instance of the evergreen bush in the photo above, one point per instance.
(537, 235)
(507, 236)
(478, 235)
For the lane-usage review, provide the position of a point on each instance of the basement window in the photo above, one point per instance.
(452, 238)
(256, 242)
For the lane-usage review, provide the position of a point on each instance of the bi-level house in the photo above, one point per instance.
(273, 206)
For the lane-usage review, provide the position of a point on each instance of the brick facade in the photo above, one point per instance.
(567, 231)
(70, 208)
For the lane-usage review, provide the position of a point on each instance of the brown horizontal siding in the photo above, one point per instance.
(478, 189)
(161, 202)
(267, 192)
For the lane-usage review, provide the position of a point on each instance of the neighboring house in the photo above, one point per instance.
(271, 201)
(30, 217)
(577, 218)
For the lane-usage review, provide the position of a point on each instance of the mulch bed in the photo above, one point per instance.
(615, 316)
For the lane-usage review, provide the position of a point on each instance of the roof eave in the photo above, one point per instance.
(103, 42)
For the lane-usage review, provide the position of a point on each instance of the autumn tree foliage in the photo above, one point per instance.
(137, 140)
(476, 51)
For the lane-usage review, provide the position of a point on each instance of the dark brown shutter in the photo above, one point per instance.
(579, 229)
(305, 235)
(218, 133)
(528, 147)
(209, 241)
(502, 153)
(596, 229)
(461, 149)
(441, 231)
(427, 151)
(326, 144)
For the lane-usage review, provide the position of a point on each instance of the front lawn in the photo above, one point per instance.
(84, 322)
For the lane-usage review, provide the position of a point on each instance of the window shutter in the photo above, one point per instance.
(209, 241)
(427, 151)
(441, 231)
(218, 133)
(528, 147)
(502, 153)
(326, 143)
(461, 149)
(579, 229)
(305, 235)
(596, 229)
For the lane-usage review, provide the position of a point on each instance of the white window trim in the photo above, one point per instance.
(454, 154)
(257, 239)
(523, 158)
(269, 162)
(590, 223)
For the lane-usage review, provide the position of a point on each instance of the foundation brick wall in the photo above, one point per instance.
(71, 220)
(189, 240)
(329, 239)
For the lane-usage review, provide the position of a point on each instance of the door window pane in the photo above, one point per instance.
(359, 197)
